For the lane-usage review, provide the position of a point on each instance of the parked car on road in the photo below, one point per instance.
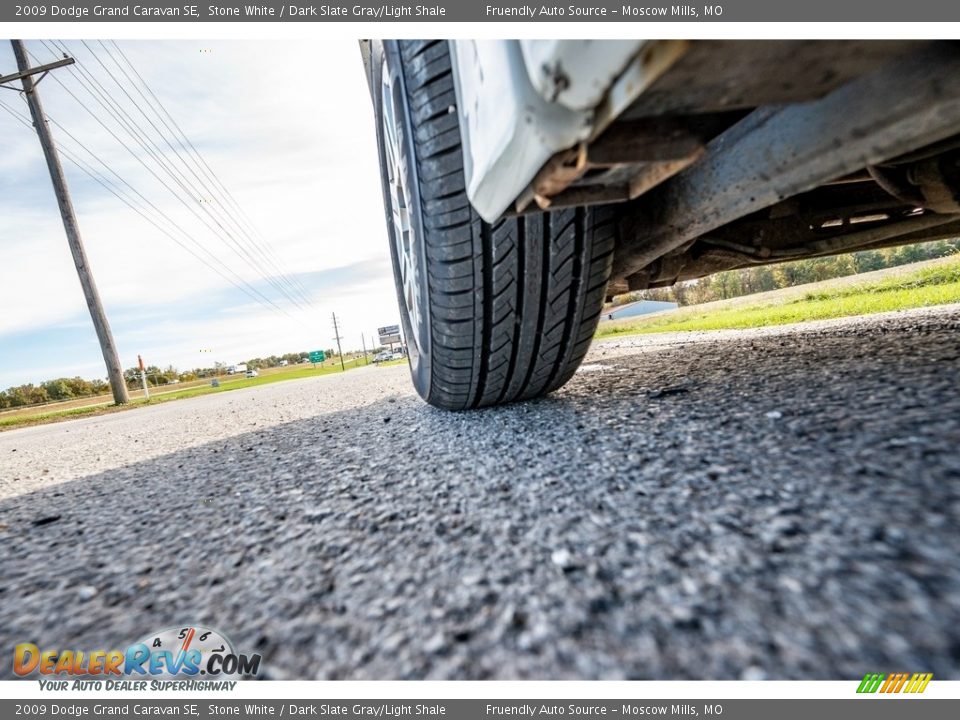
(526, 181)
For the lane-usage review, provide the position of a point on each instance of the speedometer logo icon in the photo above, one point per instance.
(191, 651)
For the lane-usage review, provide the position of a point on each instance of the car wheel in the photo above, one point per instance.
(491, 313)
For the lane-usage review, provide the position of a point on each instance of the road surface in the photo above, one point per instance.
(781, 503)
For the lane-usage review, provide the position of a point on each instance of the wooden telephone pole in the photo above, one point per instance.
(107, 345)
(336, 335)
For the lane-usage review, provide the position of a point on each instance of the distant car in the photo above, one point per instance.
(383, 356)
(397, 355)
(252, 373)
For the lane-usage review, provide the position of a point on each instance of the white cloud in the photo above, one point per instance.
(287, 126)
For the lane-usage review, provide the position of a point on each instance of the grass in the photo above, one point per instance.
(934, 284)
(55, 415)
(51, 413)
(264, 378)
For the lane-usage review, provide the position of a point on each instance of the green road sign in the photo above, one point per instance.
(317, 356)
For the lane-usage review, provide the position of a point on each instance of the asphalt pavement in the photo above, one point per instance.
(780, 503)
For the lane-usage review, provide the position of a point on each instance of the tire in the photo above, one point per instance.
(491, 313)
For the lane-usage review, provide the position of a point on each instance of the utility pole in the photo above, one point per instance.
(336, 334)
(143, 378)
(107, 345)
(363, 340)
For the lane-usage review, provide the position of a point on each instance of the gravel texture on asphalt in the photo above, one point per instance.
(781, 503)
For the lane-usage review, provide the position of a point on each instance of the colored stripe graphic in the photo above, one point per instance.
(918, 683)
(894, 682)
(870, 683)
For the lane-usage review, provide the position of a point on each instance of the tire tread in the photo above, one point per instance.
(514, 304)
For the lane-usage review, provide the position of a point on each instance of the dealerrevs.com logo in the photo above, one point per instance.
(166, 659)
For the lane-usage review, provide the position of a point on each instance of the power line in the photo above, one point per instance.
(107, 184)
(205, 190)
(104, 182)
(185, 143)
(154, 174)
(110, 170)
(203, 163)
(103, 97)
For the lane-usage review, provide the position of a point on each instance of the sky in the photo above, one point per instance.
(287, 126)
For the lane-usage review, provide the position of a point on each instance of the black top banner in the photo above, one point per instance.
(474, 11)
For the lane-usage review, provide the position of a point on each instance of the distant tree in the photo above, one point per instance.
(727, 284)
(57, 389)
(791, 273)
(680, 293)
(155, 376)
(908, 254)
(657, 294)
(36, 395)
(79, 387)
(18, 395)
(868, 260)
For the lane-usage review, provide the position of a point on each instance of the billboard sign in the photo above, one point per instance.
(389, 335)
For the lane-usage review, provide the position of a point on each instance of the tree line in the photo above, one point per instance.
(76, 387)
(746, 281)
(51, 390)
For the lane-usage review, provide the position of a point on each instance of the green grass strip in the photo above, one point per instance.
(938, 285)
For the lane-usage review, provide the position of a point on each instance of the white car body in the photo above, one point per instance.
(523, 101)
